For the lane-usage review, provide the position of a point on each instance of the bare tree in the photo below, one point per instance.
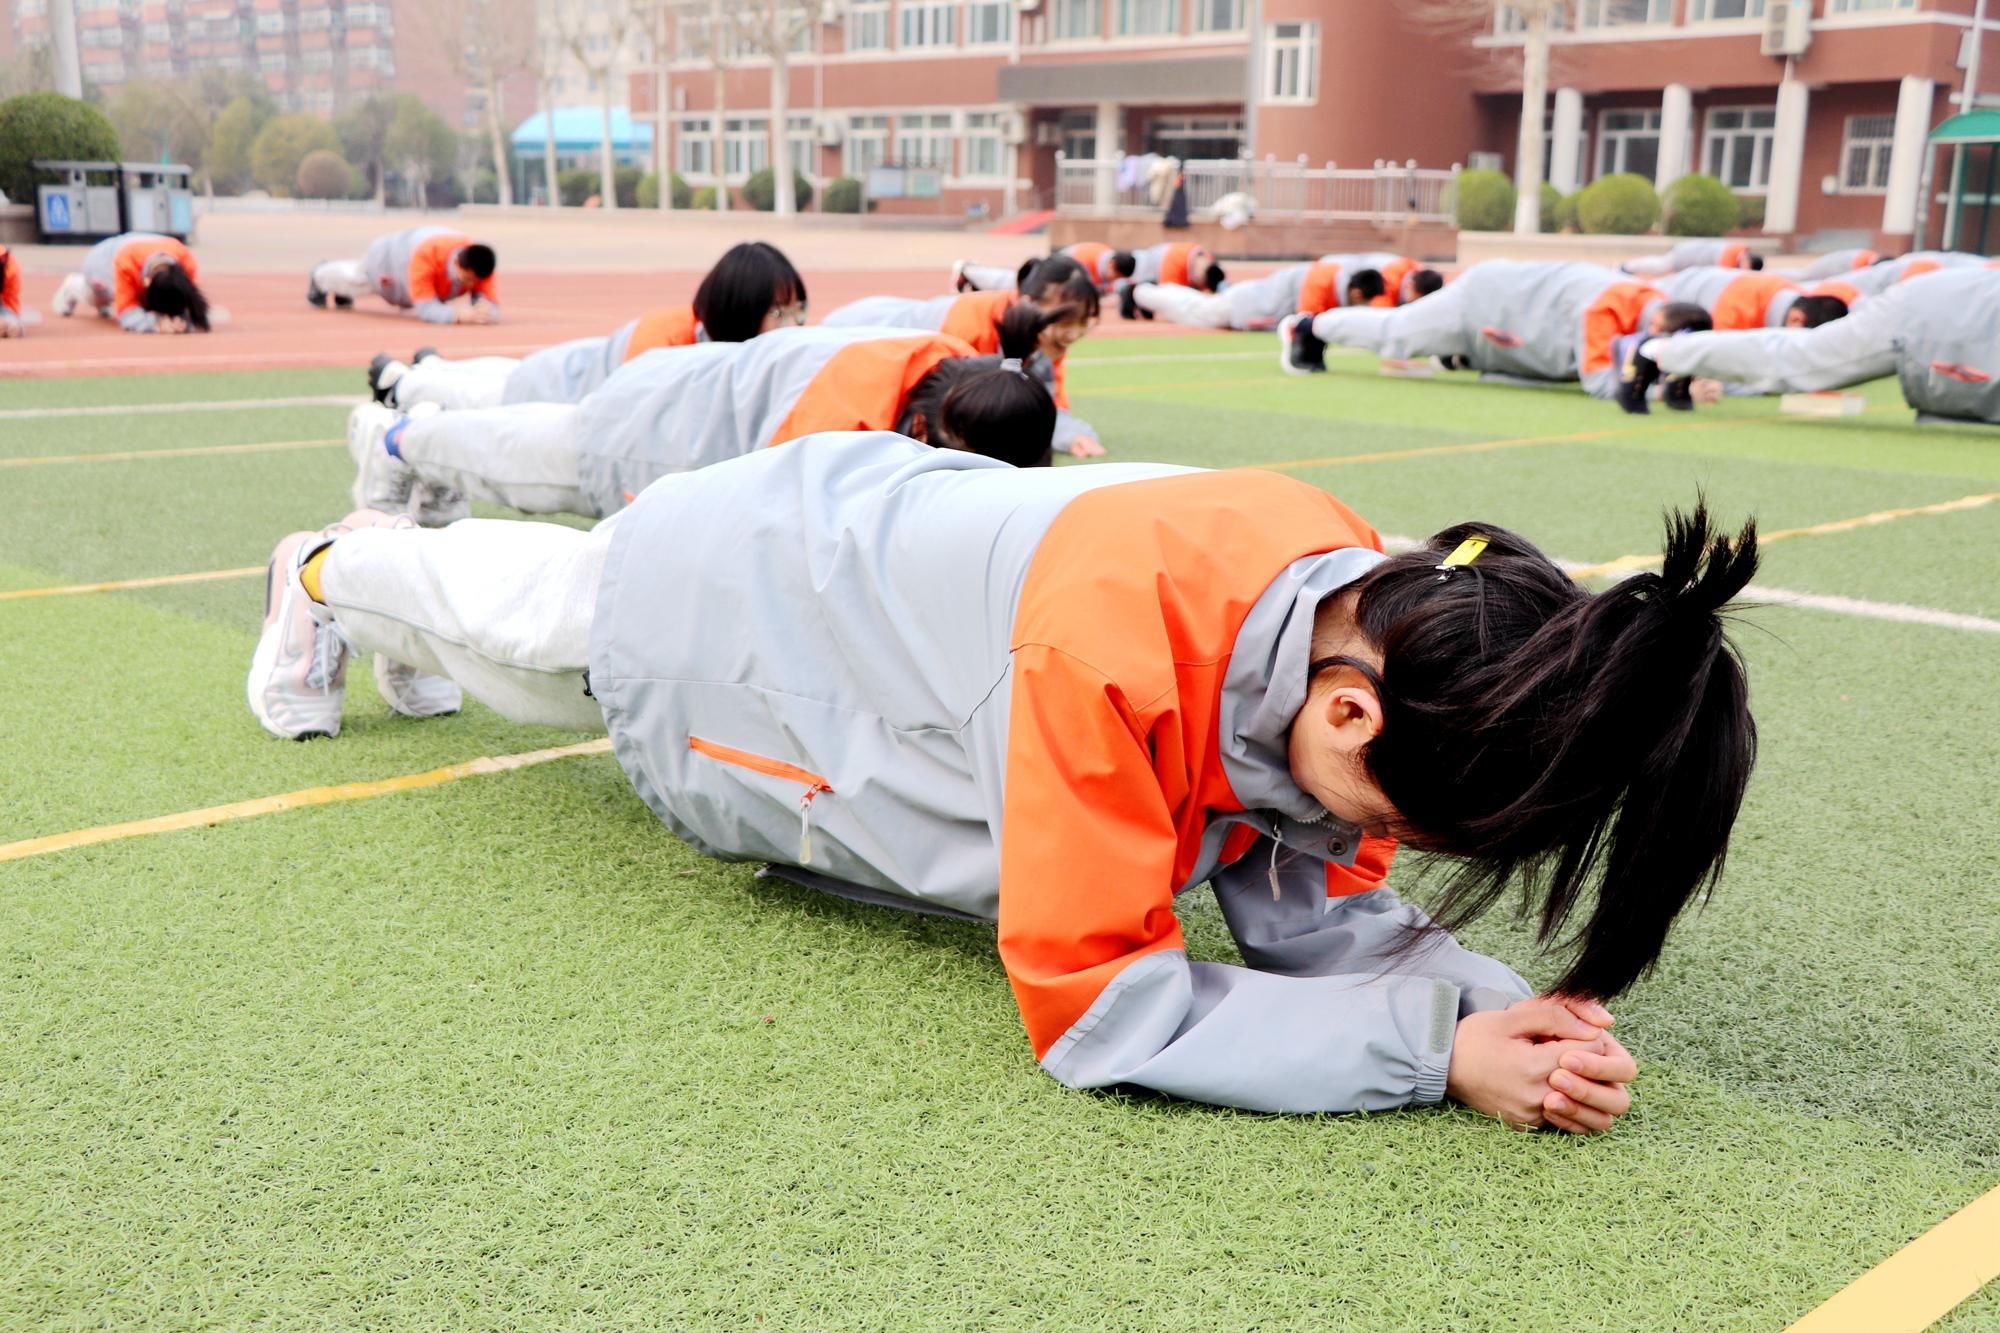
(662, 15)
(595, 35)
(485, 42)
(1535, 19)
(772, 28)
(548, 58)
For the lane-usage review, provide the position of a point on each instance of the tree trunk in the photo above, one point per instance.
(784, 196)
(715, 31)
(1534, 100)
(381, 183)
(607, 170)
(502, 171)
(663, 158)
(549, 144)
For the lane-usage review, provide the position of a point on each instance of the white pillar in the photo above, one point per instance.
(62, 27)
(1110, 143)
(1565, 172)
(1788, 153)
(1676, 120)
(1906, 154)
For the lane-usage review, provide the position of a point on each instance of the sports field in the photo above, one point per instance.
(500, 1052)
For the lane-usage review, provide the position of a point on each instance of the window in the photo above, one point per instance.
(746, 145)
(1148, 18)
(802, 142)
(690, 37)
(1628, 141)
(867, 140)
(924, 140)
(989, 22)
(984, 150)
(926, 23)
(1076, 19)
(697, 143)
(1622, 13)
(868, 27)
(1737, 147)
(1218, 15)
(1864, 154)
(1509, 19)
(1716, 11)
(1866, 6)
(1194, 137)
(1079, 135)
(1291, 62)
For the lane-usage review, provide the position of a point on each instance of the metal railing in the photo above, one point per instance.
(1284, 191)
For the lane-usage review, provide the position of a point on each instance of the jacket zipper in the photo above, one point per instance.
(813, 783)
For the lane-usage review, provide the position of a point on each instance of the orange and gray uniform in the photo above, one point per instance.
(1327, 280)
(413, 270)
(1522, 322)
(1180, 263)
(1878, 278)
(10, 289)
(569, 371)
(1693, 254)
(1733, 298)
(116, 271)
(1935, 332)
(1056, 700)
(1837, 263)
(1095, 256)
(974, 317)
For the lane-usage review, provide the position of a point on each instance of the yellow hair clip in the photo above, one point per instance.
(1468, 551)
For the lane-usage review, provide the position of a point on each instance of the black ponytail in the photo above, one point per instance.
(1533, 729)
(748, 281)
(984, 405)
(1060, 279)
(172, 293)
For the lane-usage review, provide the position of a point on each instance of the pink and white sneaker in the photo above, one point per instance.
(298, 675)
(406, 689)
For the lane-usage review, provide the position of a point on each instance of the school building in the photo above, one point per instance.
(1819, 109)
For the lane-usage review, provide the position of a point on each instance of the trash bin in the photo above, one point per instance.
(99, 199)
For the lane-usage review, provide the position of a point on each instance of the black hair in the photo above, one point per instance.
(1756, 262)
(479, 260)
(1124, 263)
(1368, 282)
(1883, 259)
(1533, 729)
(1818, 310)
(748, 281)
(171, 292)
(1061, 279)
(1685, 317)
(1426, 281)
(976, 404)
(1212, 278)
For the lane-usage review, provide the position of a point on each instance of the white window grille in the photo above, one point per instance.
(1291, 62)
(1737, 148)
(1628, 141)
(1148, 18)
(1864, 154)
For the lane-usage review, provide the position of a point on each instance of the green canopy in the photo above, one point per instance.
(1982, 126)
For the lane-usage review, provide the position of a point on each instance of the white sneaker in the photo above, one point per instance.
(70, 294)
(1299, 352)
(415, 693)
(381, 479)
(438, 506)
(298, 675)
(958, 282)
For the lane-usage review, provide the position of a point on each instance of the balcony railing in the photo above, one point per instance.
(1387, 192)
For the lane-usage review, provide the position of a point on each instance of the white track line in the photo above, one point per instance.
(217, 405)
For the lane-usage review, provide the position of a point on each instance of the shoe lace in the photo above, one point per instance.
(328, 649)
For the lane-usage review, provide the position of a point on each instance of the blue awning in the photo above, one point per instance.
(581, 128)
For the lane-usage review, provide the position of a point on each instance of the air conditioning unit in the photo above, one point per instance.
(1787, 27)
(1028, 6)
(1485, 161)
(830, 130)
(1048, 134)
(1013, 127)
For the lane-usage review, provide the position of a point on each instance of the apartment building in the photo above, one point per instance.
(1818, 107)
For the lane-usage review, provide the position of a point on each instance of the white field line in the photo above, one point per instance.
(216, 405)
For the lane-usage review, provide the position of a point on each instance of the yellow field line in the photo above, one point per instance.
(293, 800)
(1922, 1282)
(160, 581)
(133, 455)
(1627, 563)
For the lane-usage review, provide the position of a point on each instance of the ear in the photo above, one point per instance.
(1353, 715)
(920, 430)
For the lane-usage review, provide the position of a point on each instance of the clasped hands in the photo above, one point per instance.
(1548, 1061)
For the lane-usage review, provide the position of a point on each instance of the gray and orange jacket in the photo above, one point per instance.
(1176, 263)
(974, 317)
(1879, 278)
(1512, 321)
(1703, 254)
(1733, 298)
(1095, 256)
(116, 270)
(10, 288)
(413, 270)
(677, 409)
(1053, 699)
(1836, 264)
(569, 372)
(1327, 280)
(1934, 332)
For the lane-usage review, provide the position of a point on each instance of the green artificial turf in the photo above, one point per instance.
(505, 1054)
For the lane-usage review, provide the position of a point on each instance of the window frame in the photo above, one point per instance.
(936, 127)
(1880, 149)
(864, 10)
(1763, 138)
(973, 10)
(1608, 138)
(930, 16)
(1303, 48)
(1203, 10)
(1064, 9)
(694, 132)
(983, 128)
(1698, 12)
(864, 128)
(1124, 10)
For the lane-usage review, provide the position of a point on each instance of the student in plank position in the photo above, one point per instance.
(145, 282)
(1838, 264)
(1174, 264)
(423, 269)
(1099, 260)
(1736, 300)
(12, 322)
(752, 289)
(1521, 323)
(1695, 254)
(1881, 276)
(975, 317)
(682, 408)
(1058, 699)
(1261, 303)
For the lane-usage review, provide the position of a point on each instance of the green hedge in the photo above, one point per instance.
(1566, 219)
(49, 126)
(324, 174)
(1485, 201)
(761, 190)
(704, 198)
(625, 180)
(575, 186)
(649, 191)
(843, 195)
(1551, 204)
(1699, 206)
(1620, 205)
(1750, 212)
(284, 143)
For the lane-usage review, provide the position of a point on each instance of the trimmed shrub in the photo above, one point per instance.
(761, 190)
(576, 185)
(626, 181)
(704, 198)
(324, 174)
(485, 187)
(1551, 207)
(283, 143)
(49, 126)
(1485, 201)
(1620, 205)
(1566, 211)
(649, 191)
(843, 195)
(1699, 206)
(1750, 212)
